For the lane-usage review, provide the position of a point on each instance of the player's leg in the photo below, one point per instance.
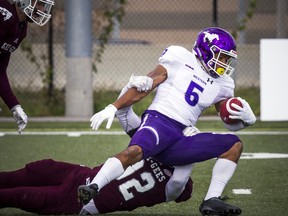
(204, 146)
(32, 174)
(39, 173)
(222, 172)
(40, 200)
(111, 169)
(153, 136)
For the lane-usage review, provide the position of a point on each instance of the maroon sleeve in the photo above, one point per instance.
(6, 92)
(8, 33)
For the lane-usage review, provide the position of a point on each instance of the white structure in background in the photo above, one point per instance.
(273, 80)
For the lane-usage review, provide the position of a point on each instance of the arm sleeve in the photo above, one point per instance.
(6, 92)
(176, 184)
(128, 119)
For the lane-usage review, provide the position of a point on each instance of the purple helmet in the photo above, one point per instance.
(212, 43)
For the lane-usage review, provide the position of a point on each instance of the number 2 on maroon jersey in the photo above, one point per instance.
(149, 184)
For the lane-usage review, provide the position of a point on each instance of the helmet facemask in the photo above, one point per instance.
(218, 67)
(39, 11)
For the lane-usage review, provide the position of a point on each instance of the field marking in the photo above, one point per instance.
(242, 191)
(79, 133)
(67, 133)
(262, 155)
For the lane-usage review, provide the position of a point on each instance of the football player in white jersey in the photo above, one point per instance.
(187, 83)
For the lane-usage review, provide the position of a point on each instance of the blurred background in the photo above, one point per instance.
(140, 31)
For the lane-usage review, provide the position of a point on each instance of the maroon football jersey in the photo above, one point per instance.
(12, 32)
(144, 186)
(50, 187)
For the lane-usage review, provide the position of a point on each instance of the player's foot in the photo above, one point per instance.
(215, 206)
(86, 193)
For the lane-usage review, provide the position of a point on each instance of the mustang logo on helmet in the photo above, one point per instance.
(210, 37)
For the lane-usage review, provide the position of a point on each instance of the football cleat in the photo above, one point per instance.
(215, 206)
(86, 193)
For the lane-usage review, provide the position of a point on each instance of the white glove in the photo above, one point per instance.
(108, 113)
(244, 113)
(141, 83)
(190, 131)
(20, 117)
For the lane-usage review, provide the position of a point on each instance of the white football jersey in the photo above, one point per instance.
(188, 89)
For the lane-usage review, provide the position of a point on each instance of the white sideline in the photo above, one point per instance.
(79, 133)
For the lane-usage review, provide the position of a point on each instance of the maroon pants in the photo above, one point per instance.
(44, 187)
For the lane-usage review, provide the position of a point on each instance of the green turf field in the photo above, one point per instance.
(266, 178)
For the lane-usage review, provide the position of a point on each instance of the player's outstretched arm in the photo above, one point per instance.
(130, 97)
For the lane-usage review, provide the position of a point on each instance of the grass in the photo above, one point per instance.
(267, 178)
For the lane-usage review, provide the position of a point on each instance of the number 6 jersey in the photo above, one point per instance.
(188, 87)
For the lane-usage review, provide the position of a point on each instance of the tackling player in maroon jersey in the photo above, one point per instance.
(50, 187)
(14, 15)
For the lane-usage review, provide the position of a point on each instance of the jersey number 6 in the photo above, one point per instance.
(191, 96)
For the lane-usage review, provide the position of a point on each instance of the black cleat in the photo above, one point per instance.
(215, 206)
(86, 193)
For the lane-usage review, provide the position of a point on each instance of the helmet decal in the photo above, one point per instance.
(209, 37)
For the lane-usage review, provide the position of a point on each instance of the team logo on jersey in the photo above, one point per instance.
(210, 80)
(6, 14)
(210, 37)
(167, 172)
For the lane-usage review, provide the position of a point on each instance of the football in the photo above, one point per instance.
(224, 114)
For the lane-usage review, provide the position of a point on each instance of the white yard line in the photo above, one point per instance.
(67, 133)
(79, 133)
(262, 155)
(242, 191)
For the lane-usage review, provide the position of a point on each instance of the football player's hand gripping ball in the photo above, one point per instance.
(244, 113)
(106, 114)
(20, 117)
